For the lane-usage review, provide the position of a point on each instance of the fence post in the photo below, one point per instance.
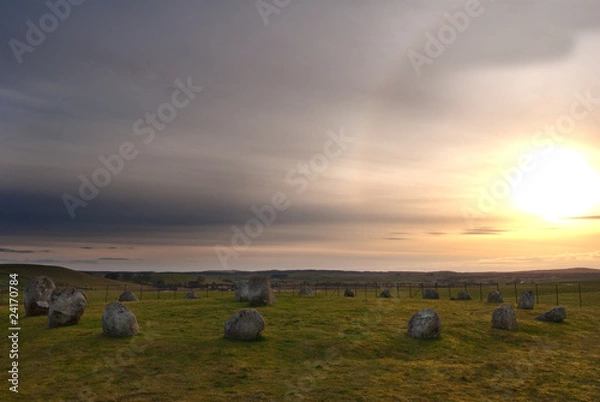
(516, 297)
(580, 303)
(106, 295)
(142, 291)
(537, 294)
(409, 291)
(397, 290)
(556, 287)
(498, 286)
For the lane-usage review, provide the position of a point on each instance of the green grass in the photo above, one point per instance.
(61, 276)
(313, 349)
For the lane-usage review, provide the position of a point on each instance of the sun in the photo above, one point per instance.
(561, 184)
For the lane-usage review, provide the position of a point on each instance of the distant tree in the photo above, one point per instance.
(112, 275)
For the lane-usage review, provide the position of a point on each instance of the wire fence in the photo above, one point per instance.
(572, 294)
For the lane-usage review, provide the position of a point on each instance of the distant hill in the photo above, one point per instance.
(60, 276)
(339, 276)
(68, 277)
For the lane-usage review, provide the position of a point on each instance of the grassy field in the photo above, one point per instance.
(326, 348)
(60, 275)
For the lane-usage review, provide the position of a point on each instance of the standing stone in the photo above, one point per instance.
(527, 301)
(242, 288)
(128, 296)
(260, 292)
(557, 314)
(66, 307)
(426, 324)
(191, 295)
(246, 325)
(385, 294)
(464, 295)
(305, 291)
(119, 321)
(495, 297)
(504, 317)
(37, 295)
(348, 293)
(430, 294)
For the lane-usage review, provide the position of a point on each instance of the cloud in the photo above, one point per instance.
(10, 250)
(484, 231)
(104, 248)
(591, 217)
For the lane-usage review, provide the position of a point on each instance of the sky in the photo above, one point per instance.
(288, 134)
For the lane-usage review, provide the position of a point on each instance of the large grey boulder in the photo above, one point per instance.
(37, 295)
(495, 297)
(119, 321)
(246, 325)
(66, 307)
(426, 324)
(430, 294)
(348, 293)
(557, 314)
(260, 292)
(128, 296)
(385, 294)
(242, 288)
(464, 295)
(191, 295)
(527, 301)
(504, 317)
(305, 291)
